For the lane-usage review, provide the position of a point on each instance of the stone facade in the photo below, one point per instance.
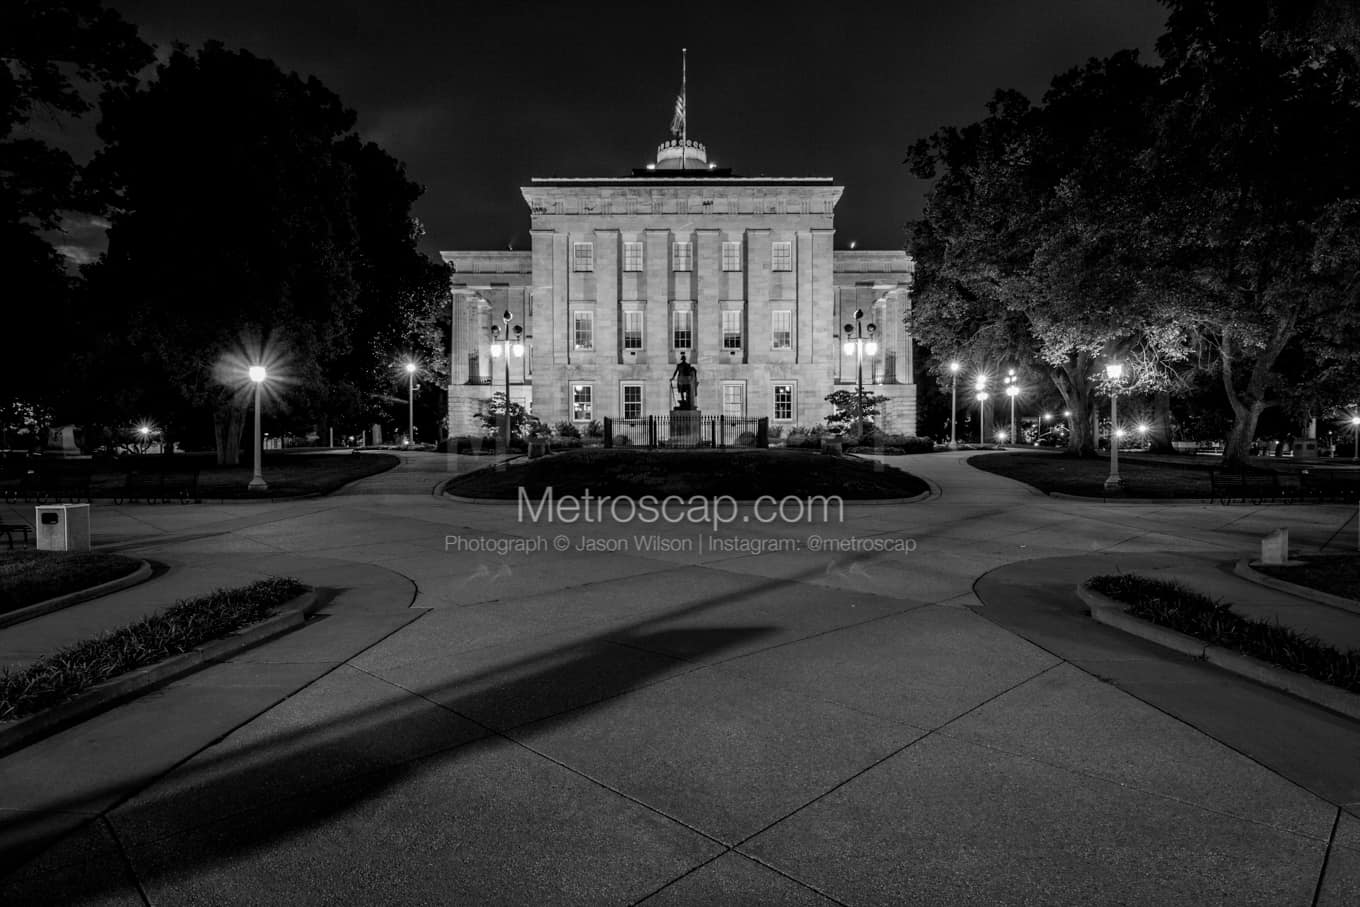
(627, 273)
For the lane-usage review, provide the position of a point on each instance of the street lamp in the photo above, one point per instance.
(411, 403)
(1114, 485)
(1012, 391)
(981, 386)
(506, 349)
(953, 403)
(257, 482)
(856, 342)
(1142, 433)
(1355, 430)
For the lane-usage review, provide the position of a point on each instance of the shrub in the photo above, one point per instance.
(895, 443)
(566, 443)
(775, 432)
(746, 439)
(567, 429)
(1172, 605)
(183, 626)
(595, 429)
(622, 441)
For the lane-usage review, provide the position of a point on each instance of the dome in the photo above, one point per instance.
(681, 154)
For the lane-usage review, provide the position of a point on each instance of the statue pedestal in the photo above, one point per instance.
(686, 428)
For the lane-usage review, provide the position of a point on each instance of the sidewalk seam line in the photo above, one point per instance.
(875, 764)
(1326, 858)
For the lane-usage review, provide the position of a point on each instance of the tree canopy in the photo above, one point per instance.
(1204, 205)
(250, 224)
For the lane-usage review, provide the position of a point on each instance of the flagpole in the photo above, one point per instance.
(684, 101)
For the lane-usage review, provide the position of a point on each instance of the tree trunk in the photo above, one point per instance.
(1159, 438)
(1071, 381)
(228, 423)
(1237, 446)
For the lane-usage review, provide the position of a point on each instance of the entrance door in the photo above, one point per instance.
(734, 399)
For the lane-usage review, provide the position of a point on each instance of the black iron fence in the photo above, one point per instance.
(686, 430)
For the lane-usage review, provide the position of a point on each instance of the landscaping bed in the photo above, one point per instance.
(1335, 574)
(30, 576)
(180, 628)
(1171, 605)
(741, 474)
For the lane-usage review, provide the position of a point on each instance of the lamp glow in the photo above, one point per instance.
(953, 368)
(871, 349)
(257, 373)
(1114, 371)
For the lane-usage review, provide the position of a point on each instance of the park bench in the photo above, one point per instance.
(10, 528)
(1245, 482)
(160, 483)
(1323, 485)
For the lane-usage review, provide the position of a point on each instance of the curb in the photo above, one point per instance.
(16, 734)
(140, 575)
(1111, 613)
(1125, 499)
(1244, 569)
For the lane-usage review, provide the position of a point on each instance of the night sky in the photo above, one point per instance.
(478, 98)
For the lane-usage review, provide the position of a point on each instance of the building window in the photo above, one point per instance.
(781, 329)
(582, 256)
(582, 402)
(783, 402)
(632, 256)
(632, 330)
(632, 401)
(731, 256)
(734, 400)
(782, 257)
(682, 256)
(731, 329)
(682, 330)
(583, 330)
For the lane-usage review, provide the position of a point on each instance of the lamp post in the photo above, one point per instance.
(1355, 430)
(1012, 391)
(411, 403)
(1143, 433)
(856, 342)
(506, 348)
(1113, 485)
(981, 386)
(257, 482)
(953, 403)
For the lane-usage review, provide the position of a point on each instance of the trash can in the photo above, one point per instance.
(62, 527)
(1305, 448)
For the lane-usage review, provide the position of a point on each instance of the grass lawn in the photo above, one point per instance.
(1337, 574)
(1071, 475)
(288, 474)
(742, 474)
(30, 576)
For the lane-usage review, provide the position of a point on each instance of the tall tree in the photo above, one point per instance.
(57, 55)
(1258, 194)
(1022, 246)
(251, 225)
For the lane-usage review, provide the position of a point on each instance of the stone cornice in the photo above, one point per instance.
(758, 198)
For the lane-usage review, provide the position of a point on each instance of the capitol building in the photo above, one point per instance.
(626, 273)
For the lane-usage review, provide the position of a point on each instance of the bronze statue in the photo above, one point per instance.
(685, 379)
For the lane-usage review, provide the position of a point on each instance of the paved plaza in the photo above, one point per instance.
(678, 721)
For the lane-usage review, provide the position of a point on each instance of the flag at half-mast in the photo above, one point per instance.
(678, 121)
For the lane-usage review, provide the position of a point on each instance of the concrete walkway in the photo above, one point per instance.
(501, 711)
